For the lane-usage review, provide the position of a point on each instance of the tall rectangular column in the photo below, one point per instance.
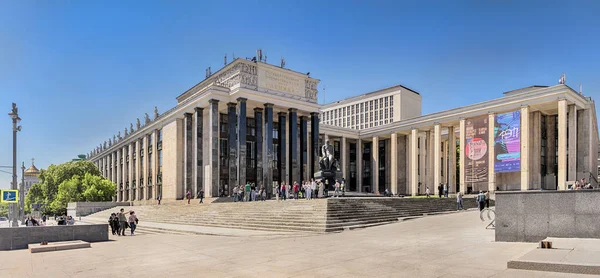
(413, 162)
(491, 153)
(148, 194)
(394, 163)
(232, 147)
(268, 148)
(572, 145)
(157, 190)
(118, 180)
(524, 147)
(281, 148)
(130, 173)
(138, 171)
(314, 143)
(304, 148)
(294, 170)
(562, 144)
(437, 167)
(451, 160)
(462, 155)
(359, 165)
(375, 165)
(258, 149)
(241, 143)
(127, 170)
(431, 163)
(344, 157)
(212, 172)
(188, 154)
(199, 126)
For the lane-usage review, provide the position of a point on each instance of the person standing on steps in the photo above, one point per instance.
(201, 195)
(459, 201)
(440, 190)
(336, 191)
(313, 188)
(296, 190)
(158, 198)
(343, 188)
(235, 193)
(487, 199)
(188, 196)
(427, 191)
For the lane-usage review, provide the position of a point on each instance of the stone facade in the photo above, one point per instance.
(255, 122)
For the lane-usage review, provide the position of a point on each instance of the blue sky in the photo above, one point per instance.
(82, 70)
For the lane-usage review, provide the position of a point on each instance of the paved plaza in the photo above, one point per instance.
(450, 245)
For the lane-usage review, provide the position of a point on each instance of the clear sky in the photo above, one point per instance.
(82, 70)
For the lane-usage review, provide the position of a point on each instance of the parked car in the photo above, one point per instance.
(3, 219)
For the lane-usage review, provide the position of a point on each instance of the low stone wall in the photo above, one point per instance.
(530, 216)
(20, 237)
(79, 209)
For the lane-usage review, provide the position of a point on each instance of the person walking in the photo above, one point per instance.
(427, 192)
(343, 188)
(487, 199)
(481, 200)
(188, 196)
(446, 190)
(336, 191)
(201, 195)
(133, 220)
(158, 198)
(122, 222)
(440, 190)
(313, 188)
(277, 192)
(459, 201)
(111, 223)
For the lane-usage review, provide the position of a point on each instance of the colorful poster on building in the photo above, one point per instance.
(476, 150)
(507, 142)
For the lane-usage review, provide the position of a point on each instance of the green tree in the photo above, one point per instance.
(3, 210)
(75, 181)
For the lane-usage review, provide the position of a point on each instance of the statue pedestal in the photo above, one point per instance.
(328, 178)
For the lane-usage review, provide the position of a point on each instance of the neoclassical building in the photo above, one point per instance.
(255, 122)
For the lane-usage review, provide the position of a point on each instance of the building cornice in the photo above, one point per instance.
(499, 105)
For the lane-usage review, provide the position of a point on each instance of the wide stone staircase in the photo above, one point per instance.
(322, 215)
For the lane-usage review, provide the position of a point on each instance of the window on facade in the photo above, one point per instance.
(376, 104)
(391, 101)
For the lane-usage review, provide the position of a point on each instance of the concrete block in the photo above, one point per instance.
(58, 246)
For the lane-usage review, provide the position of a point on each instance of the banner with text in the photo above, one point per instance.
(507, 142)
(476, 150)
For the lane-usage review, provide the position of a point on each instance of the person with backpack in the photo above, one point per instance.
(189, 196)
(481, 200)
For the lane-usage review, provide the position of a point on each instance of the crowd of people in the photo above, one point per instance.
(307, 190)
(121, 221)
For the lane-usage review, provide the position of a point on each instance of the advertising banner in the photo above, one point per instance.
(476, 150)
(507, 142)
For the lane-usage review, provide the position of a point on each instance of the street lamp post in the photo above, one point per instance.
(22, 194)
(14, 115)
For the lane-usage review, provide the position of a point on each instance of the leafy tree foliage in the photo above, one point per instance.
(75, 181)
(3, 210)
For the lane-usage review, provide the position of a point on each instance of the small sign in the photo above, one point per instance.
(9, 196)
